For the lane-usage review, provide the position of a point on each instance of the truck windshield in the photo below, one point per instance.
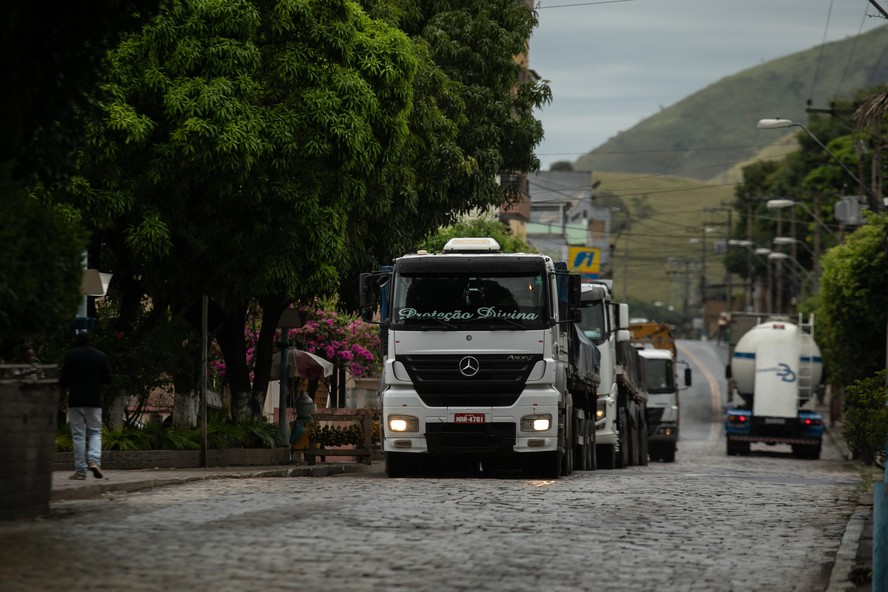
(659, 376)
(458, 301)
(592, 322)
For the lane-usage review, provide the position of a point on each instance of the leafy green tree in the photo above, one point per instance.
(853, 310)
(50, 57)
(482, 225)
(472, 123)
(865, 418)
(236, 140)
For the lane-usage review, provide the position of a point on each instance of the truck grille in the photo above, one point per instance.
(498, 381)
(453, 438)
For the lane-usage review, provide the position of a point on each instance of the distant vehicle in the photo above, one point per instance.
(773, 369)
(656, 345)
(620, 421)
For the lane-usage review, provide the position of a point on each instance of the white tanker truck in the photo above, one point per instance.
(773, 370)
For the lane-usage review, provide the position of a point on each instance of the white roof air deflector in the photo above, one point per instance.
(472, 245)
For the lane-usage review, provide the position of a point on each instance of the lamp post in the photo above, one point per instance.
(801, 276)
(781, 123)
(747, 244)
(763, 252)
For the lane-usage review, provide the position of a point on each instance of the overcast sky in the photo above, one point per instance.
(613, 63)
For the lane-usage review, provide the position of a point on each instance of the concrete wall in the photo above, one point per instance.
(27, 441)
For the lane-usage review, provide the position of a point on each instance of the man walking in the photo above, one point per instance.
(83, 373)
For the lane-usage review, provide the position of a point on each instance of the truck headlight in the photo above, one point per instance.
(540, 422)
(403, 423)
(600, 410)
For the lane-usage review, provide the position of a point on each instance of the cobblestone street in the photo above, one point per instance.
(707, 522)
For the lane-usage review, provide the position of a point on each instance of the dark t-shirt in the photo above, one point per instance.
(83, 373)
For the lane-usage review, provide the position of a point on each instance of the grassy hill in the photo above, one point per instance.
(709, 132)
(676, 170)
(660, 256)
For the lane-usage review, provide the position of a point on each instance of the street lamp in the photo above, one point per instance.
(788, 240)
(774, 204)
(781, 123)
(802, 276)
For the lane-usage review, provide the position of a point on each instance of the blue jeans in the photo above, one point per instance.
(86, 426)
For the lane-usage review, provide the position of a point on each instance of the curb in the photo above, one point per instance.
(92, 490)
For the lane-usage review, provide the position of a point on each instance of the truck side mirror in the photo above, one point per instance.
(728, 371)
(366, 296)
(687, 377)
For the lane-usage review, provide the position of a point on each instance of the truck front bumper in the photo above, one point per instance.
(471, 430)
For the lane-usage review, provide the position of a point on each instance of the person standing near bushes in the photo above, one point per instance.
(83, 373)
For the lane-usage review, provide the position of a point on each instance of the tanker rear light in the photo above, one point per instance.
(737, 418)
(778, 326)
(811, 421)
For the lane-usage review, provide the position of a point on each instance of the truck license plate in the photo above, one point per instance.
(468, 418)
(775, 420)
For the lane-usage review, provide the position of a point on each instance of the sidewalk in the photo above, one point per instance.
(130, 480)
(852, 569)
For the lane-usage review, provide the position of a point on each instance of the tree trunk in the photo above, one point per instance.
(185, 407)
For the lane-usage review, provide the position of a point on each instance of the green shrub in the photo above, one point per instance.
(865, 418)
(221, 433)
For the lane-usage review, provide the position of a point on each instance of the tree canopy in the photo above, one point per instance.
(262, 152)
(851, 306)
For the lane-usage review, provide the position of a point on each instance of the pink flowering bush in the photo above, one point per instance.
(338, 338)
(341, 339)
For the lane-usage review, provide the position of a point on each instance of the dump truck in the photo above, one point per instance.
(655, 342)
(484, 367)
(620, 418)
(774, 368)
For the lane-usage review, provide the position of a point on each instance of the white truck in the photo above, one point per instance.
(485, 368)
(774, 367)
(655, 342)
(620, 420)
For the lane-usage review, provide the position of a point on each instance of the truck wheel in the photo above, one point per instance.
(546, 465)
(643, 449)
(579, 451)
(397, 464)
(623, 440)
(811, 451)
(606, 456)
(667, 453)
(735, 448)
(591, 448)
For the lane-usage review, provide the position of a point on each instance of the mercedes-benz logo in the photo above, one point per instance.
(468, 366)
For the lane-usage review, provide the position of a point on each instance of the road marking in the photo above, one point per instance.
(714, 391)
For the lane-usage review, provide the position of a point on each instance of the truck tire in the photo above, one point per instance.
(736, 448)
(623, 439)
(397, 464)
(579, 450)
(667, 453)
(545, 465)
(644, 446)
(591, 448)
(809, 451)
(606, 456)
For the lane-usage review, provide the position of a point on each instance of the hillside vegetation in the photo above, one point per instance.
(660, 257)
(711, 131)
